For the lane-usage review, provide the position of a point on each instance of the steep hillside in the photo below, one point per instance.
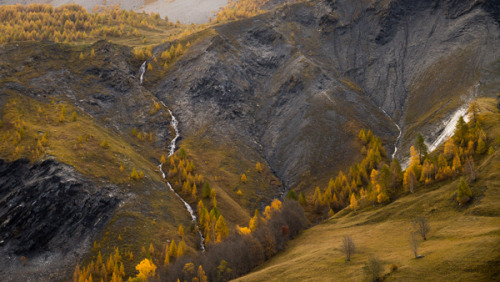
(264, 105)
(296, 85)
(57, 106)
(463, 242)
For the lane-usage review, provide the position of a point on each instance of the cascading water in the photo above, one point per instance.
(397, 140)
(174, 123)
(142, 70)
(399, 136)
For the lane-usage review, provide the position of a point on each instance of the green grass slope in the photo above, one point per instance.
(463, 244)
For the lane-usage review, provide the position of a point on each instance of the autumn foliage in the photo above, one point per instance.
(239, 253)
(70, 23)
(376, 180)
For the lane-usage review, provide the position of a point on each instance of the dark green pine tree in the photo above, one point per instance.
(421, 147)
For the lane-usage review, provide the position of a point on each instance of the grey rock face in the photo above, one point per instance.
(297, 83)
(48, 210)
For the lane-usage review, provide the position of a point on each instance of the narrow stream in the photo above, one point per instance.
(399, 136)
(174, 123)
(396, 143)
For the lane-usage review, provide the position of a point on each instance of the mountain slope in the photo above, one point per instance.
(296, 85)
(463, 243)
(289, 89)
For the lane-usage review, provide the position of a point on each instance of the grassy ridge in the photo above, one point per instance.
(75, 142)
(464, 242)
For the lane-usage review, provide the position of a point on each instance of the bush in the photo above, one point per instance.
(373, 269)
(464, 193)
(205, 192)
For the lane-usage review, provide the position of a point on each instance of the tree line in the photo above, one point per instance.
(70, 23)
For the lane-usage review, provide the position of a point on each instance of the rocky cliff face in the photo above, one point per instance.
(298, 83)
(48, 214)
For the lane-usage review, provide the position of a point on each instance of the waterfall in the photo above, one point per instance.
(174, 123)
(399, 136)
(142, 70)
(397, 140)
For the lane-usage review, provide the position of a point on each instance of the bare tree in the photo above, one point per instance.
(414, 244)
(421, 226)
(348, 247)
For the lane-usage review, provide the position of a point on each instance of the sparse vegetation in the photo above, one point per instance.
(348, 247)
(374, 269)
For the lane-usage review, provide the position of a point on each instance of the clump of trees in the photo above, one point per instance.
(162, 62)
(193, 186)
(240, 9)
(375, 180)
(70, 23)
(111, 269)
(241, 251)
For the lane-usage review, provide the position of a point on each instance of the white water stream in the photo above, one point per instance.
(399, 136)
(142, 70)
(174, 123)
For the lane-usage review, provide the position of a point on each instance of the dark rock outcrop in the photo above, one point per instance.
(48, 210)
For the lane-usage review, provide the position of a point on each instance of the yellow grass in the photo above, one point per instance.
(86, 155)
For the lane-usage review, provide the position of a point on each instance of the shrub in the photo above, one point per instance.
(373, 269)
(105, 144)
(464, 193)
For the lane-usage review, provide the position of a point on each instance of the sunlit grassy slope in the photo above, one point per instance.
(463, 245)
